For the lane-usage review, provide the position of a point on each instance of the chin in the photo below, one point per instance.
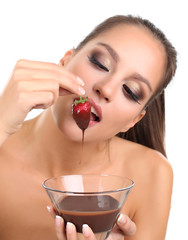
(71, 133)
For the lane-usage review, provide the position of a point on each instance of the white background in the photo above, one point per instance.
(43, 30)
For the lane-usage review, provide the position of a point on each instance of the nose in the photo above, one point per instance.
(105, 89)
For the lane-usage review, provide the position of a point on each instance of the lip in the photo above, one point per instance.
(97, 108)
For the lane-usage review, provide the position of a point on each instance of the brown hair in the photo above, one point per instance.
(150, 131)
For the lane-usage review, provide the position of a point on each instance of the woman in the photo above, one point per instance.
(123, 66)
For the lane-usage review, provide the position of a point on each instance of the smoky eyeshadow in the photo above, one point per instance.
(135, 88)
(99, 60)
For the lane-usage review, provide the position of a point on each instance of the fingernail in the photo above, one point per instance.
(80, 81)
(121, 219)
(58, 221)
(69, 227)
(48, 208)
(85, 230)
(81, 90)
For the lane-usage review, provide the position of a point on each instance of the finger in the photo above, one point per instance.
(125, 224)
(88, 233)
(51, 210)
(27, 101)
(71, 231)
(43, 99)
(24, 63)
(60, 228)
(23, 73)
(36, 86)
(62, 78)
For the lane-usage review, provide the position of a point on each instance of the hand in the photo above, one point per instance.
(123, 227)
(34, 85)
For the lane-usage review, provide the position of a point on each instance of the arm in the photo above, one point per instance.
(33, 85)
(153, 199)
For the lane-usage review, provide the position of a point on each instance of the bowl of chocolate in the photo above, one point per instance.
(95, 200)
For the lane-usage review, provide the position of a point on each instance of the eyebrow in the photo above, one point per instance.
(111, 51)
(144, 80)
(115, 56)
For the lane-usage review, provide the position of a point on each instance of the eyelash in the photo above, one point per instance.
(131, 94)
(97, 63)
(94, 61)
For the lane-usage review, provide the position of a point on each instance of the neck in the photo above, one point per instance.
(59, 155)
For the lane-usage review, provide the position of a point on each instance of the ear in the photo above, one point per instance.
(66, 57)
(135, 120)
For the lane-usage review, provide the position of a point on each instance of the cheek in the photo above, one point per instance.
(77, 67)
(126, 109)
(82, 69)
(121, 117)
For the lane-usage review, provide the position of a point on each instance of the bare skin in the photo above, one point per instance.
(48, 146)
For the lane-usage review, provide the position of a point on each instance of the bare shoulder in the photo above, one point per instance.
(150, 200)
(145, 161)
(156, 166)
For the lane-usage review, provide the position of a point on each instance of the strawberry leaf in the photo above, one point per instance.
(81, 100)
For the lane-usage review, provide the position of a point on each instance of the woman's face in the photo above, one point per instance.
(121, 69)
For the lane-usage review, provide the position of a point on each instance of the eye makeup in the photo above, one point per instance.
(132, 90)
(99, 61)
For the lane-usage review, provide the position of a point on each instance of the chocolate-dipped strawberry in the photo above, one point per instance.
(81, 111)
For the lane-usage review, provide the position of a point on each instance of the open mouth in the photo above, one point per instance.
(94, 115)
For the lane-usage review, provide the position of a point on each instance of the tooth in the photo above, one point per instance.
(93, 111)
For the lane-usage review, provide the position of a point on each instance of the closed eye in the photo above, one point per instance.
(94, 61)
(130, 93)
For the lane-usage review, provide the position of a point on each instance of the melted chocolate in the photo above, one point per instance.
(99, 212)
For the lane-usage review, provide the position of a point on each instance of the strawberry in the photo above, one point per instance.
(81, 111)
